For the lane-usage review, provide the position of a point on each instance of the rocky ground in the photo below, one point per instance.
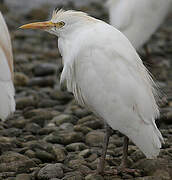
(50, 137)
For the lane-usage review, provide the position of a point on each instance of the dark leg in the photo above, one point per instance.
(125, 153)
(100, 168)
(123, 166)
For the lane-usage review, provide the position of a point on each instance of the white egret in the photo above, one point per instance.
(106, 75)
(138, 19)
(7, 102)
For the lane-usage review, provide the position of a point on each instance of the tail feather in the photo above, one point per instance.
(148, 140)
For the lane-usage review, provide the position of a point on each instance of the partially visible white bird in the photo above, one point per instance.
(7, 102)
(106, 75)
(138, 19)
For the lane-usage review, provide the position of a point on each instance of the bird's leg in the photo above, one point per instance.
(125, 153)
(123, 165)
(100, 168)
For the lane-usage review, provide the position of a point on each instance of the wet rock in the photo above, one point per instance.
(73, 176)
(45, 103)
(67, 127)
(38, 112)
(29, 153)
(44, 69)
(23, 177)
(85, 153)
(63, 97)
(42, 81)
(59, 153)
(83, 129)
(150, 166)
(7, 143)
(7, 175)
(50, 171)
(76, 163)
(64, 138)
(32, 127)
(76, 147)
(19, 123)
(11, 132)
(91, 121)
(94, 177)
(44, 156)
(15, 162)
(24, 102)
(20, 79)
(64, 118)
(95, 138)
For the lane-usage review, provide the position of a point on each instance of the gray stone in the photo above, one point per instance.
(66, 127)
(64, 97)
(64, 118)
(24, 102)
(20, 79)
(94, 177)
(76, 147)
(23, 177)
(44, 156)
(64, 138)
(15, 162)
(91, 122)
(59, 153)
(50, 171)
(95, 138)
(44, 69)
(42, 81)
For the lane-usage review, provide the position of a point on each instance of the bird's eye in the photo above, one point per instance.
(61, 24)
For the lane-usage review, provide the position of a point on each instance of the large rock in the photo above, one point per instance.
(15, 162)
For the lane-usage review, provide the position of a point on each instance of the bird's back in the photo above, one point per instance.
(138, 19)
(7, 102)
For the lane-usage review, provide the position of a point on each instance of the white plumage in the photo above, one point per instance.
(138, 19)
(7, 102)
(106, 75)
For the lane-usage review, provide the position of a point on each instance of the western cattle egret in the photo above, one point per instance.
(106, 75)
(7, 102)
(138, 19)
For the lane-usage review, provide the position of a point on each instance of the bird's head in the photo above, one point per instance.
(62, 22)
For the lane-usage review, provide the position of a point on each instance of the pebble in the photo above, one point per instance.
(42, 81)
(64, 118)
(76, 147)
(95, 138)
(23, 177)
(20, 79)
(94, 177)
(44, 69)
(50, 171)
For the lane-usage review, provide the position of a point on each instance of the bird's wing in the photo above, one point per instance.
(118, 71)
(5, 43)
(121, 14)
(112, 88)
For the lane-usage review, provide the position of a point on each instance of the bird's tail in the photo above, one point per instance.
(148, 139)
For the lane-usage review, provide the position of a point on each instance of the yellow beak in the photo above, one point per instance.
(38, 25)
